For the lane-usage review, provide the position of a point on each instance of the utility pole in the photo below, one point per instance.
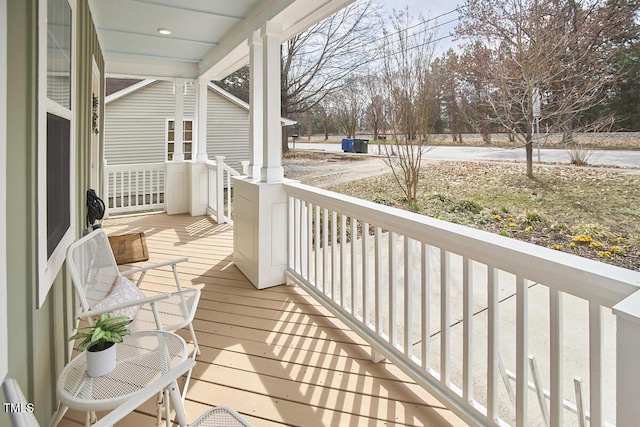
(536, 118)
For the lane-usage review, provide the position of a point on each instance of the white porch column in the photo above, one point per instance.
(272, 156)
(256, 104)
(199, 182)
(627, 350)
(178, 179)
(201, 108)
(178, 134)
(260, 202)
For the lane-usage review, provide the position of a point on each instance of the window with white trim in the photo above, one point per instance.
(187, 139)
(55, 139)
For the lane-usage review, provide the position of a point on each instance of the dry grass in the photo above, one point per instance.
(560, 204)
(601, 140)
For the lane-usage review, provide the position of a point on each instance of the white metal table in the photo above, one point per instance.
(143, 358)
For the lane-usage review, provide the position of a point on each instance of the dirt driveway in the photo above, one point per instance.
(326, 169)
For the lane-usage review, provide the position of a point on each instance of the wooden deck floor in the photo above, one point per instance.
(275, 355)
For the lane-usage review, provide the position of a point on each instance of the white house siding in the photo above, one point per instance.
(227, 130)
(135, 123)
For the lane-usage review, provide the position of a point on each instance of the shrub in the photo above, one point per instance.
(382, 200)
(532, 218)
(467, 206)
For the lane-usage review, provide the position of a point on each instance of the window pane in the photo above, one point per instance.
(170, 136)
(171, 125)
(188, 125)
(59, 52)
(187, 147)
(58, 180)
(170, 147)
(188, 136)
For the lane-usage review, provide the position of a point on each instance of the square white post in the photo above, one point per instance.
(178, 140)
(199, 179)
(627, 350)
(272, 156)
(260, 200)
(201, 108)
(178, 179)
(256, 101)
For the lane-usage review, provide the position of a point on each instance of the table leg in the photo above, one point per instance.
(62, 409)
(159, 405)
(176, 399)
(167, 407)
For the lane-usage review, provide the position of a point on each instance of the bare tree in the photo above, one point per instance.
(557, 54)
(406, 56)
(471, 84)
(237, 83)
(317, 62)
(349, 105)
(326, 115)
(375, 105)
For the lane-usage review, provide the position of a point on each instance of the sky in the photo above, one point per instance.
(430, 8)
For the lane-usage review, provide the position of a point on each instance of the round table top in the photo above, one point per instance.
(141, 359)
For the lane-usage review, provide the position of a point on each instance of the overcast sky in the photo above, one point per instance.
(430, 8)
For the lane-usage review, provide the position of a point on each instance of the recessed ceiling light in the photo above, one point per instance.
(164, 31)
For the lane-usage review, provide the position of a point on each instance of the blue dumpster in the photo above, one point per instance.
(347, 145)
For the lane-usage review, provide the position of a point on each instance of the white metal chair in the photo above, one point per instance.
(22, 417)
(220, 416)
(94, 272)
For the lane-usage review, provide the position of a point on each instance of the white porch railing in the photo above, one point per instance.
(141, 187)
(135, 187)
(221, 188)
(458, 309)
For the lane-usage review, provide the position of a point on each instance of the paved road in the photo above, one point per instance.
(629, 158)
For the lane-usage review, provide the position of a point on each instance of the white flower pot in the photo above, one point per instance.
(101, 362)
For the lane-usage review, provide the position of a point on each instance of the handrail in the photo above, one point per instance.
(220, 194)
(408, 284)
(134, 187)
(602, 283)
(134, 166)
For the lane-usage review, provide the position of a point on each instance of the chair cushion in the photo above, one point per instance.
(122, 291)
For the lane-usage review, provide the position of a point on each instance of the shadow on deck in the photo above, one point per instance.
(275, 355)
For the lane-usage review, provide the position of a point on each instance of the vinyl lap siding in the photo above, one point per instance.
(135, 123)
(227, 130)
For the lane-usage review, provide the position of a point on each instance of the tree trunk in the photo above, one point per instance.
(285, 141)
(285, 132)
(529, 148)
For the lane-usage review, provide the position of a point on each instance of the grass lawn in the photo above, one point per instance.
(589, 212)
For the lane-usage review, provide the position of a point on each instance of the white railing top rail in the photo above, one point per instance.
(213, 165)
(135, 166)
(597, 282)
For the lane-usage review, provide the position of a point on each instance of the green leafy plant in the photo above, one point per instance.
(95, 103)
(107, 329)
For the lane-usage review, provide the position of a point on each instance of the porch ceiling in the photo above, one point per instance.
(207, 40)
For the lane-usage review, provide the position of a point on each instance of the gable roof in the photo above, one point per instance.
(116, 85)
(128, 89)
(135, 85)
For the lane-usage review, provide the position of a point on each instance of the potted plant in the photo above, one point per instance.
(99, 340)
